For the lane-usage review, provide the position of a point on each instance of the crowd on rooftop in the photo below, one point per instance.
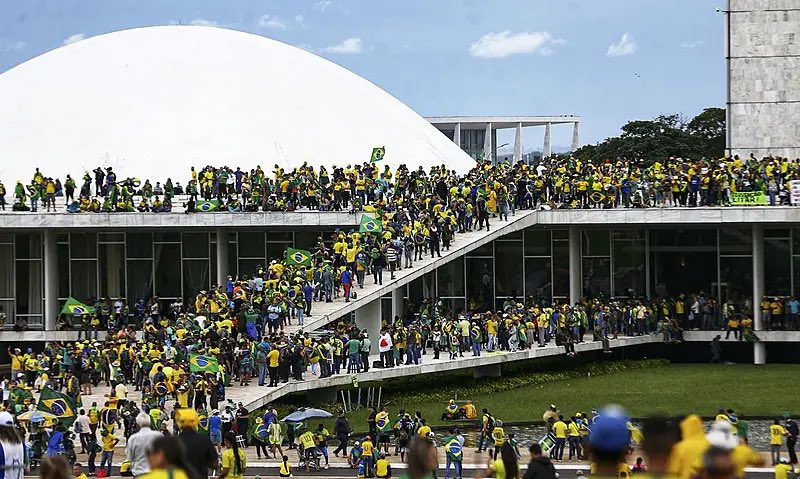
(556, 182)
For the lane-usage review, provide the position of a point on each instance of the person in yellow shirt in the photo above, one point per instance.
(77, 472)
(782, 470)
(776, 434)
(424, 430)
(498, 436)
(109, 442)
(285, 468)
(234, 460)
(560, 431)
(273, 360)
(383, 470)
(366, 455)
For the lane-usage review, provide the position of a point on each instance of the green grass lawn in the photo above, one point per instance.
(668, 390)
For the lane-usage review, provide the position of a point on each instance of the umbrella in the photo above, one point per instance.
(37, 417)
(303, 414)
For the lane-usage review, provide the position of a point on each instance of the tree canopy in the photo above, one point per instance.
(666, 135)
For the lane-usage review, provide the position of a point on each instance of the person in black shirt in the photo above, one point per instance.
(201, 454)
(540, 466)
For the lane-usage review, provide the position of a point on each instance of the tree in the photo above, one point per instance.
(663, 137)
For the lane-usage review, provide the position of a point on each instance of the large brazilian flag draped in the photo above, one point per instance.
(73, 307)
(207, 206)
(299, 257)
(370, 225)
(259, 431)
(200, 363)
(202, 423)
(57, 404)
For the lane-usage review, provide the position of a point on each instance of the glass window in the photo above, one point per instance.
(629, 271)
(596, 277)
(251, 245)
(195, 245)
(249, 266)
(684, 237)
(485, 250)
(421, 288)
(277, 250)
(62, 251)
(83, 245)
(111, 237)
(627, 234)
(307, 241)
(537, 242)
(561, 269)
(195, 277)
(167, 267)
(83, 280)
(538, 274)
(480, 282)
(687, 272)
(777, 254)
(163, 237)
(776, 232)
(7, 271)
(450, 277)
(453, 305)
(595, 242)
(516, 235)
(735, 241)
(508, 280)
(28, 245)
(29, 287)
(139, 279)
(560, 234)
(736, 276)
(280, 236)
(139, 245)
(112, 270)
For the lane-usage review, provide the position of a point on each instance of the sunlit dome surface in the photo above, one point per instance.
(151, 102)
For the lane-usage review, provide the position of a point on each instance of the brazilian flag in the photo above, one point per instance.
(378, 154)
(57, 404)
(370, 225)
(203, 422)
(207, 206)
(259, 431)
(73, 307)
(299, 257)
(200, 363)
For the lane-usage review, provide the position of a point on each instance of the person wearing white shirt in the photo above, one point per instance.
(385, 349)
(139, 444)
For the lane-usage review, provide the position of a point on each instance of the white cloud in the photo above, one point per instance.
(690, 45)
(74, 38)
(349, 46)
(504, 44)
(12, 45)
(626, 46)
(203, 22)
(322, 6)
(299, 18)
(271, 21)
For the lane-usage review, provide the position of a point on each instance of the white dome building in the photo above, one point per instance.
(152, 102)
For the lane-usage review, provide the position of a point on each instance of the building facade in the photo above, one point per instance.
(762, 40)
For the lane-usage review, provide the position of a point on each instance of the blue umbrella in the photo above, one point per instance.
(304, 414)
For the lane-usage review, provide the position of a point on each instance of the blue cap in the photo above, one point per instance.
(610, 431)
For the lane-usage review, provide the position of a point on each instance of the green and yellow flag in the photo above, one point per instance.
(73, 307)
(207, 206)
(259, 430)
(57, 404)
(200, 363)
(299, 257)
(378, 154)
(370, 225)
(202, 424)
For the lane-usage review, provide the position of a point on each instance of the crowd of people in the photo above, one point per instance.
(550, 183)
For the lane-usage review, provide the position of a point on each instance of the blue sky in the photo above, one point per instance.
(608, 61)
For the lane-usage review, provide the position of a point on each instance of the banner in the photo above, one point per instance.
(199, 363)
(750, 198)
(207, 206)
(794, 192)
(370, 225)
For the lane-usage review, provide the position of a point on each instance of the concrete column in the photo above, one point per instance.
(547, 149)
(457, 135)
(518, 143)
(487, 143)
(50, 280)
(223, 266)
(576, 142)
(575, 276)
(398, 304)
(368, 317)
(759, 348)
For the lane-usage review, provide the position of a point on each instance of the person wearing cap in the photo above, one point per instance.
(12, 446)
(609, 442)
